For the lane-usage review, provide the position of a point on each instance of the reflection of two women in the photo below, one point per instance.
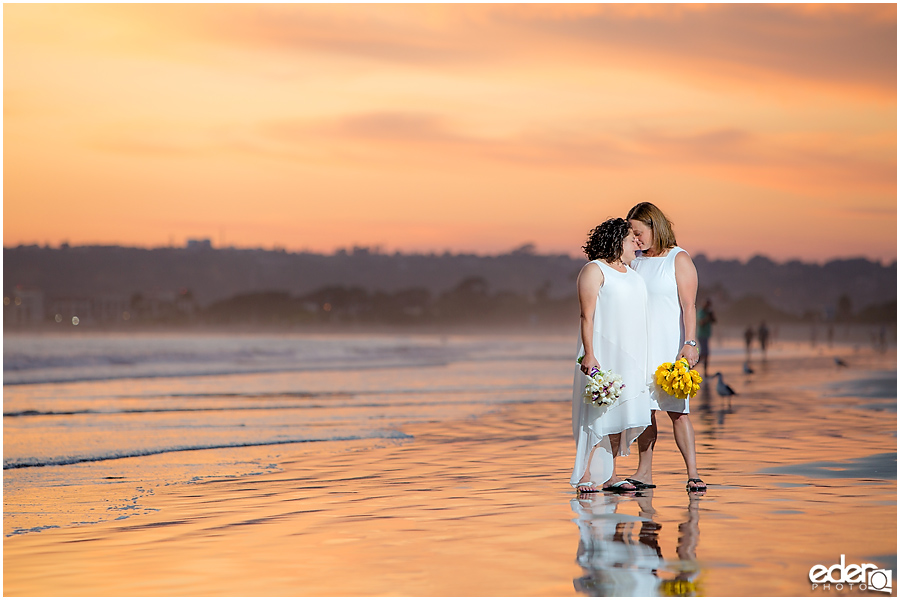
(620, 554)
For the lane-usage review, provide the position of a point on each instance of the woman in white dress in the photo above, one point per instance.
(614, 329)
(671, 280)
(615, 559)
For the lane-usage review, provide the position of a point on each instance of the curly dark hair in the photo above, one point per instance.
(605, 241)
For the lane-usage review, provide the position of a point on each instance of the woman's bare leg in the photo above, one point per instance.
(684, 439)
(614, 441)
(586, 478)
(646, 442)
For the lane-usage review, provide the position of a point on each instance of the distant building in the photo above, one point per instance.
(25, 306)
(111, 308)
(163, 305)
(72, 310)
(154, 304)
(100, 309)
(204, 244)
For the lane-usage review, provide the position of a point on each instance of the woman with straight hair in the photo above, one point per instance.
(671, 280)
(614, 329)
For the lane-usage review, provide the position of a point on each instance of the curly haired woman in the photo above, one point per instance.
(614, 333)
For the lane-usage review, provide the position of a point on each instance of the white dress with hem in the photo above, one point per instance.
(666, 322)
(621, 326)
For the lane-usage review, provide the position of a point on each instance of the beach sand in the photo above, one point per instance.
(798, 475)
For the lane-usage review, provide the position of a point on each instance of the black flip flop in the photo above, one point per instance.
(617, 487)
(640, 484)
(700, 485)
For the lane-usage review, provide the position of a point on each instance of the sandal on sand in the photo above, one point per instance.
(695, 485)
(585, 484)
(640, 484)
(618, 487)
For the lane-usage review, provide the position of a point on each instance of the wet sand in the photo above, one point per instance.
(799, 474)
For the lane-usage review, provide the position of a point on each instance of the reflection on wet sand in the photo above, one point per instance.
(713, 409)
(800, 472)
(615, 564)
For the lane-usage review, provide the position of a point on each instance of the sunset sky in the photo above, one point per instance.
(759, 129)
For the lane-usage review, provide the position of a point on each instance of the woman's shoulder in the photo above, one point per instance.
(680, 254)
(683, 261)
(600, 266)
(677, 254)
(590, 278)
(591, 273)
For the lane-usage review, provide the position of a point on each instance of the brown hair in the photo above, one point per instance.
(660, 226)
(606, 241)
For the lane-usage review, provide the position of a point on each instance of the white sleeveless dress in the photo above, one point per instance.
(666, 322)
(620, 343)
(615, 562)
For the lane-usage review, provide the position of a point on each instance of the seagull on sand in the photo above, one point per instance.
(747, 369)
(722, 388)
(839, 362)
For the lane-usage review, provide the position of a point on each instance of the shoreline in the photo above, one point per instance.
(798, 332)
(361, 488)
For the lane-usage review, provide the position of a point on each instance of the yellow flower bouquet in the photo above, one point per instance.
(678, 379)
(680, 588)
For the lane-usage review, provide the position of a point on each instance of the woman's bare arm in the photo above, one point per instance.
(590, 280)
(686, 279)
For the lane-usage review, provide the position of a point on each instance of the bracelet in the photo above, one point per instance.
(690, 343)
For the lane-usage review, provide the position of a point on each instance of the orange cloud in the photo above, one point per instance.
(830, 45)
(810, 163)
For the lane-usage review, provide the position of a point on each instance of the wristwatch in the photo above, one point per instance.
(690, 343)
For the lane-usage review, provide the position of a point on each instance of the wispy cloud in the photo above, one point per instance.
(795, 161)
(831, 45)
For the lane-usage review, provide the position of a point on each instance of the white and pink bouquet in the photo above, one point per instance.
(603, 387)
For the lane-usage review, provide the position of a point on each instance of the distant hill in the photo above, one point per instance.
(797, 287)
(216, 275)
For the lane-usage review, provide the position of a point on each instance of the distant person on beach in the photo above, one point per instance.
(614, 328)
(748, 340)
(672, 291)
(705, 319)
(763, 334)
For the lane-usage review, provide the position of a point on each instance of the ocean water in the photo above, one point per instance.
(801, 467)
(89, 409)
